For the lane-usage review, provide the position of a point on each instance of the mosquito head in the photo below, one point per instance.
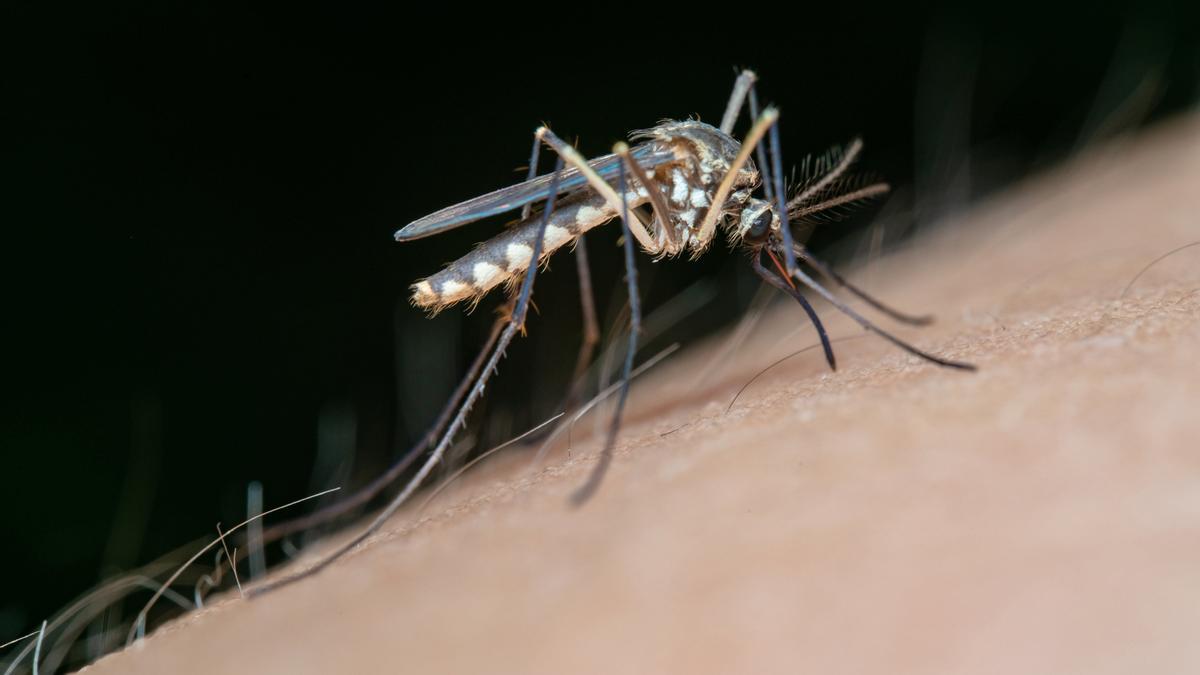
(758, 222)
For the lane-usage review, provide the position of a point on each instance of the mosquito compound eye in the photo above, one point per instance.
(760, 227)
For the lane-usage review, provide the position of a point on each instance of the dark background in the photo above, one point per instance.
(201, 285)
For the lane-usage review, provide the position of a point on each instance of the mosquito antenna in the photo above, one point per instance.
(869, 325)
(588, 489)
(795, 211)
(848, 157)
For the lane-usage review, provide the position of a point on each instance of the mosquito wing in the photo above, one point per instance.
(516, 196)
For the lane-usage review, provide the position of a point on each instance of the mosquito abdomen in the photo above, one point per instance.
(505, 256)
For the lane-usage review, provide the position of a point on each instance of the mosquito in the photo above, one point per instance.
(695, 179)
(672, 191)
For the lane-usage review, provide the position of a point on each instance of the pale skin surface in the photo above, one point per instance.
(1039, 516)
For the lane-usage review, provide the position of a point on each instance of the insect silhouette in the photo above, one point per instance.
(681, 183)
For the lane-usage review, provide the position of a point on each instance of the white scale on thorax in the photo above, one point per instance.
(689, 199)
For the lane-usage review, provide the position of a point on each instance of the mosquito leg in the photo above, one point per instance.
(766, 120)
(368, 492)
(789, 254)
(661, 212)
(797, 208)
(867, 324)
(531, 174)
(828, 272)
(759, 154)
(743, 85)
(587, 302)
(516, 323)
(588, 489)
(786, 286)
(615, 202)
(744, 90)
(591, 328)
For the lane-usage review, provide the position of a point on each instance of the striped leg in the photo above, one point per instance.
(870, 326)
(591, 330)
(764, 122)
(515, 323)
(621, 205)
(585, 491)
(785, 231)
(587, 303)
(616, 203)
(742, 86)
(372, 489)
(744, 92)
(828, 272)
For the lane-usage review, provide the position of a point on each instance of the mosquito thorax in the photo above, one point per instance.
(704, 154)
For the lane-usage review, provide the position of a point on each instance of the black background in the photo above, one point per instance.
(201, 285)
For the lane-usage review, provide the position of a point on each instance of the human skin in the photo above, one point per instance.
(1039, 516)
